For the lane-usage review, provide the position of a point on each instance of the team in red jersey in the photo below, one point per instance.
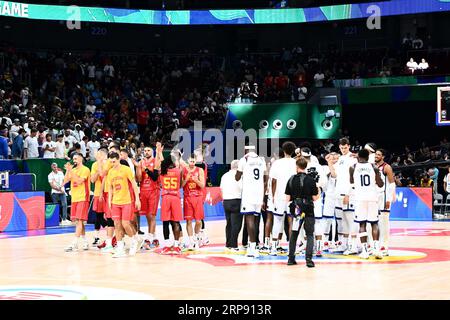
(171, 213)
(193, 184)
(147, 176)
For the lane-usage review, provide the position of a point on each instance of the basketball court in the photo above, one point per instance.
(35, 266)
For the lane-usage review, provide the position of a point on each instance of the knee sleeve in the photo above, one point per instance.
(110, 222)
(166, 231)
(278, 224)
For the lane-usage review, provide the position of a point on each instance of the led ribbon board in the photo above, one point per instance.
(199, 17)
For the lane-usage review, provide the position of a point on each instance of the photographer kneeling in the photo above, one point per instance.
(301, 189)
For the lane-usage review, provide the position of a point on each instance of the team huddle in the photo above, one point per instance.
(347, 195)
(119, 201)
(352, 192)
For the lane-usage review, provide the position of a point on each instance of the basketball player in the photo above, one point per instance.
(111, 241)
(97, 176)
(193, 185)
(314, 169)
(120, 202)
(344, 207)
(280, 172)
(171, 180)
(147, 176)
(199, 162)
(385, 200)
(252, 169)
(79, 177)
(330, 199)
(366, 177)
(371, 147)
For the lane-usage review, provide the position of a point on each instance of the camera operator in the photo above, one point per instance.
(302, 190)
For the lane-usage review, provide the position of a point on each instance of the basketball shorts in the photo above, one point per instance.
(250, 208)
(280, 207)
(366, 211)
(171, 208)
(193, 208)
(341, 209)
(318, 208)
(382, 204)
(122, 212)
(97, 205)
(79, 210)
(149, 202)
(329, 207)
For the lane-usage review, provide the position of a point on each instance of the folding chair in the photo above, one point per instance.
(438, 203)
(447, 205)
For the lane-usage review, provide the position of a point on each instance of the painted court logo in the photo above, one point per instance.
(68, 293)
(216, 255)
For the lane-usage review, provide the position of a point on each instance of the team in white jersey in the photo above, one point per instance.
(280, 172)
(344, 204)
(385, 199)
(329, 204)
(315, 170)
(252, 170)
(349, 198)
(366, 179)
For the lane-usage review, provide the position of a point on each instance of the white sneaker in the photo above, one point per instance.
(350, 251)
(196, 246)
(107, 249)
(85, 245)
(273, 252)
(72, 247)
(133, 247)
(364, 255)
(190, 247)
(377, 254)
(205, 240)
(119, 253)
(249, 253)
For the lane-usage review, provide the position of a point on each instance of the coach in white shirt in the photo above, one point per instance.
(56, 181)
(231, 195)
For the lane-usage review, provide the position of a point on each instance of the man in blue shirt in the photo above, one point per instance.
(3, 144)
(17, 146)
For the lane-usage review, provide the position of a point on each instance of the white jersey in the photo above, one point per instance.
(282, 170)
(383, 178)
(366, 188)
(342, 168)
(253, 169)
(315, 169)
(372, 158)
(330, 187)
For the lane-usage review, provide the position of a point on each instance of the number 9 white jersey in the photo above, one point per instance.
(253, 169)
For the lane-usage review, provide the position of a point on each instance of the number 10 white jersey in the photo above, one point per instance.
(253, 169)
(366, 188)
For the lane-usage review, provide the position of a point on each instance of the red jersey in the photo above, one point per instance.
(192, 189)
(171, 182)
(147, 184)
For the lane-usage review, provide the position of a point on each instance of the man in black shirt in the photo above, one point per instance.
(301, 189)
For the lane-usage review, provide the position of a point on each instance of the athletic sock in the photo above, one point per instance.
(96, 234)
(266, 242)
(176, 243)
(109, 242)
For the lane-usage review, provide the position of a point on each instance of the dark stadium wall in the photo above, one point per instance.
(393, 124)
